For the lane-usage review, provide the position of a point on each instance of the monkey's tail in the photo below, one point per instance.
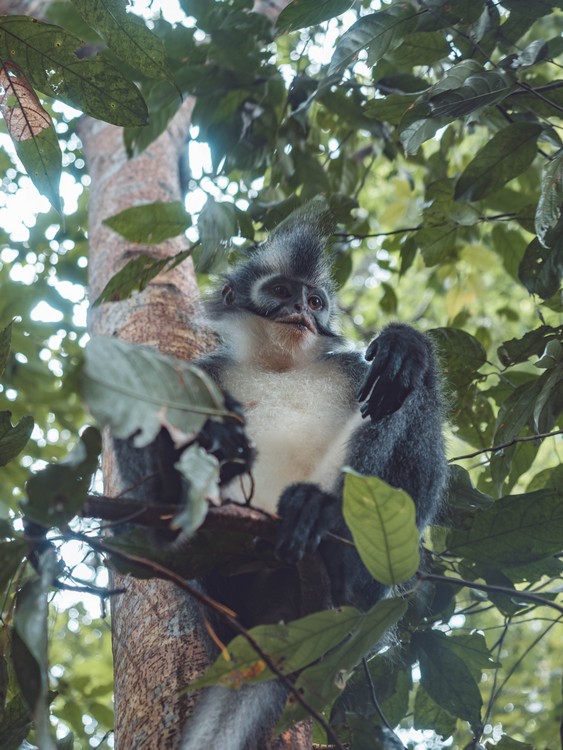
(242, 719)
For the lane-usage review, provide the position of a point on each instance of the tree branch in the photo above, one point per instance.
(223, 612)
(502, 446)
(461, 582)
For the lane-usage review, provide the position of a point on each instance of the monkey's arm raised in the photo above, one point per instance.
(400, 441)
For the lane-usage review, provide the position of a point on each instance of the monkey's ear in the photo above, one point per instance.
(228, 295)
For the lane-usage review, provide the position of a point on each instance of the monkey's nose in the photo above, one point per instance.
(298, 306)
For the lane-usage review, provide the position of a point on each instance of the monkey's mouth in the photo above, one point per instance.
(301, 322)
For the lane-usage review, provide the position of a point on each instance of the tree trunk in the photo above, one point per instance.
(156, 644)
(158, 647)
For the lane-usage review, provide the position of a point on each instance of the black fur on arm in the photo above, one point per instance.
(400, 442)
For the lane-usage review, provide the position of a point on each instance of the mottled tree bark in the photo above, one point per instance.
(157, 647)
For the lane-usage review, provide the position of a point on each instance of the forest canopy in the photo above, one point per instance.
(428, 135)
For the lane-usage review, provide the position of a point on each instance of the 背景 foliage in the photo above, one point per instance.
(432, 133)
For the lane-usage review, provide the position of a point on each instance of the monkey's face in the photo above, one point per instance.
(294, 303)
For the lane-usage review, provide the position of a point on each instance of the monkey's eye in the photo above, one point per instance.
(280, 291)
(315, 302)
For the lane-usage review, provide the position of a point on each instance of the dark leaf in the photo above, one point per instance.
(460, 353)
(531, 344)
(136, 275)
(301, 13)
(56, 493)
(217, 224)
(429, 715)
(509, 153)
(516, 530)
(13, 439)
(377, 33)
(551, 198)
(53, 67)
(12, 554)
(29, 645)
(126, 35)
(445, 676)
(5, 341)
(541, 268)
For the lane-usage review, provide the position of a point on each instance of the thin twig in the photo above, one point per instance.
(488, 588)
(495, 448)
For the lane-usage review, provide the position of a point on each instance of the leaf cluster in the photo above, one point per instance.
(431, 134)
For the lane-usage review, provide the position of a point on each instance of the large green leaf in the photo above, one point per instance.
(151, 223)
(301, 13)
(446, 677)
(48, 55)
(383, 524)
(13, 439)
(321, 683)
(513, 531)
(509, 153)
(377, 33)
(291, 647)
(126, 35)
(134, 389)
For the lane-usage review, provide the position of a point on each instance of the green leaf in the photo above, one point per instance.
(302, 13)
(515, 530)
(201, 470)
(32, 132)
(323, 682)
(478, 91)
(461, 492)
(217, 224)
(391, 682)
(390, 108)
(377, 32)
(134, 389)
(291, 647)
(383, 524)
(56, 493)
(151, 223)
(446, 678)
(48, 54)
(125, 34)
(429, 715)
(12, 554)
(509, 153)
(507, 743)
(541, 268)
(136, 275)
(532, 343)
(15, 723)
(5, 342)
(13, 439)
(461, 355)
(29, 645)
(548, 212)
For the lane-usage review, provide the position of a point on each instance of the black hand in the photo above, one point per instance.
(307, 515)
(400, 358)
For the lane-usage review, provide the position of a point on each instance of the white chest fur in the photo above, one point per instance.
(299, 420)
